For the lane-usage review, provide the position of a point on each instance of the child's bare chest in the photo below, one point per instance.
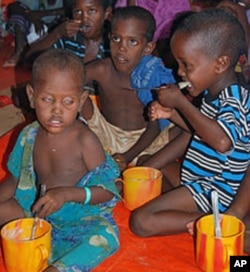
(57, 164)
(122, 108)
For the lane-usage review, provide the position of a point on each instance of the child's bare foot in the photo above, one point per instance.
(190, 227)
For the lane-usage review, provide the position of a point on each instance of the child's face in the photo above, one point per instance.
(128, 44)
(194, 66)
(57, 99)
(92, 16)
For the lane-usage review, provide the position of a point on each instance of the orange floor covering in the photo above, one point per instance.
(174, 253)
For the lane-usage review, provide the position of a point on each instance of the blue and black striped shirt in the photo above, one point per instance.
(204, 169)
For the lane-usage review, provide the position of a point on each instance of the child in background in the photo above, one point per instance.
(86, 35)
(246, 5)
(121, 126)
(28, 20)
(243, 66)
(207, 46)
(199, 5)
(65, 155)
(163, 11)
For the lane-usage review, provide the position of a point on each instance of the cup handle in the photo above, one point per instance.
(229, 252)
(122, 181)
(44, 256)
(119, 179)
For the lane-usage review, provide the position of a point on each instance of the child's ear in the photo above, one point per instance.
(83, 98)
(30, 93)
(222, 64)
(149, 48)
(108, 13)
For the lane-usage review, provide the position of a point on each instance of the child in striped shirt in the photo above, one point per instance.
(206, 46)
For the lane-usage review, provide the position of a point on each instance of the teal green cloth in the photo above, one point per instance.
(82, 235)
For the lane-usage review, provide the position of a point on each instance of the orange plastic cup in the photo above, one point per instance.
(213, 253)
(20, 253)
(140, 185)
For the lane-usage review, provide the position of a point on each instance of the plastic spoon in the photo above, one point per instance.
(181, 85)
(215, 207)
(33, 231)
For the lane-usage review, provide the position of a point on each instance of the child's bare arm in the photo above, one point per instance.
(9, 207)
(157, 111)
(95, 71)
(66, 29)
(145, 140)
(170, 152)
(151, 132)
(33, 15)
(206, 128)
(7, 188)
(54, 198)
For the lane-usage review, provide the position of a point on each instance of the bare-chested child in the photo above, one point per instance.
(121, 126)
(207, 46)
(61, 152)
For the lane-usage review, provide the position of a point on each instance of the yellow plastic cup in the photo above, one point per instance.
(140, 185)
(213, 253)
(20, 253)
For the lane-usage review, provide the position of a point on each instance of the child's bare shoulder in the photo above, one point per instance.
(99, 65)
(87, 137)
(98, 70)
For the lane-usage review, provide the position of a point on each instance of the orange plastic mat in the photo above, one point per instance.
(174, 253)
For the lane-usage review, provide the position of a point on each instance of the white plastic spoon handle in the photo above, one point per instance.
(215, 206)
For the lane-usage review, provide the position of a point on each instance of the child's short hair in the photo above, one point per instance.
(60, 59)
(217, 31)
(140, 14)
(104, 3)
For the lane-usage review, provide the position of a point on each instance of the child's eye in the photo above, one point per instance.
(47, 99)
(187, 66)
(184, 64)
(92, 11)
(115, 39)
(133, 42)
(77, 12)
(68, 101)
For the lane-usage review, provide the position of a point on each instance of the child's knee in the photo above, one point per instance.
(140, 224)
